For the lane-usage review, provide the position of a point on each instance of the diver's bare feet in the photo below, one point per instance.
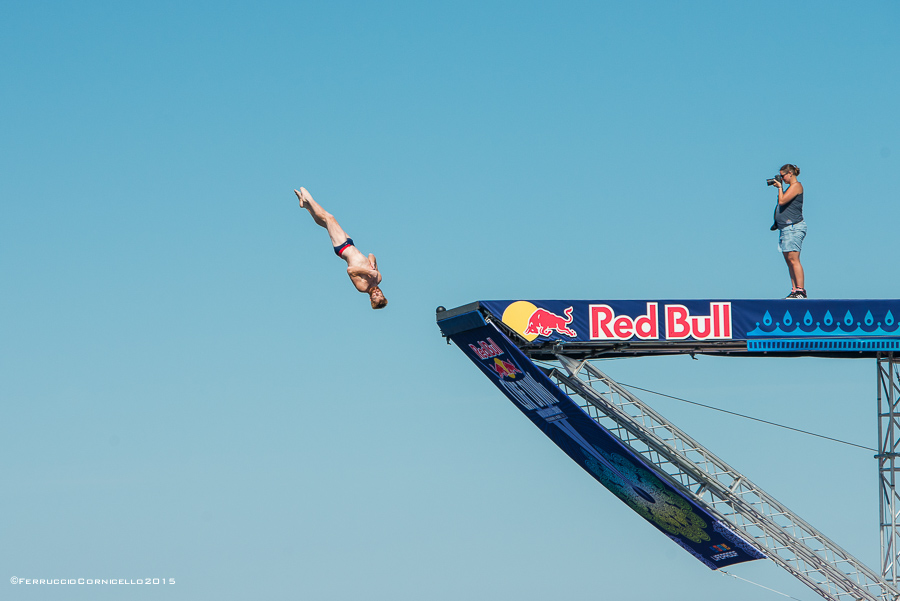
(306, 199)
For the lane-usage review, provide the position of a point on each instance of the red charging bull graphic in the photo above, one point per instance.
(507, 370)
(544, 323)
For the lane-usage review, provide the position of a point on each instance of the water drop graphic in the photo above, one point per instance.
(807, 319)
(848, 319)
(787, 318)
(869, 319)
(767, 319)
(828, 319)
(889, 319)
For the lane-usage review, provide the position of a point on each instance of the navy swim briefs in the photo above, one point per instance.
(339, 250)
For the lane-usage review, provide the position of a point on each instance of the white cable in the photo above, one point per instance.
(759, 585)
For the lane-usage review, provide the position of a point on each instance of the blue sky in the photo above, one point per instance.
(191, 389)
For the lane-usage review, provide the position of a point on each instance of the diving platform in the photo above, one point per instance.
(632, 328)
(690, 495)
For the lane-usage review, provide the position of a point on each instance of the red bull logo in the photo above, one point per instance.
(544, 323)
(507, 370)
(660, 321)
(486, 350)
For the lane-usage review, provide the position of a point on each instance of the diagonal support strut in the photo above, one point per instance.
(776, 531)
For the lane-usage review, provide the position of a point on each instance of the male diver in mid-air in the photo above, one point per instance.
(363, 271)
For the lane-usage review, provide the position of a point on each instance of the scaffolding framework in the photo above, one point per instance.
(888, 444)
(776, 531)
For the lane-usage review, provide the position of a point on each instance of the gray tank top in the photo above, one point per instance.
(790, 213)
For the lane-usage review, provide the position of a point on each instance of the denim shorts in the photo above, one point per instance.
(791, 237)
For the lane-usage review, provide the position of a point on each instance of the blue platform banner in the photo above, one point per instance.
(766, 325)
(639, 484)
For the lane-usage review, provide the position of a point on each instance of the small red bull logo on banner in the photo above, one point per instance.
(544, 323)
(486, 350)
(507, 370)
(678, 323)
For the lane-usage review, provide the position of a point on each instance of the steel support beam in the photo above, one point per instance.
(888, 447)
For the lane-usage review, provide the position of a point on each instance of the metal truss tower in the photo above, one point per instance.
(888, 455)
(771, 527)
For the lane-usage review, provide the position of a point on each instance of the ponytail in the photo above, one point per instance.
(791, 169)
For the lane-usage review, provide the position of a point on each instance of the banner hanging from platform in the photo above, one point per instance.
(639, 484)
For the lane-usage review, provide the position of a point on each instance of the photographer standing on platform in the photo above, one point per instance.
(790, 225)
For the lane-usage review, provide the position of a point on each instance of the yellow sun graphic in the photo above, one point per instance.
(516, 317)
